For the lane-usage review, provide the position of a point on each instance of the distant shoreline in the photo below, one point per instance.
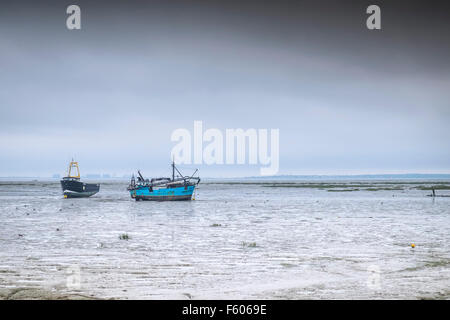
(409, 176)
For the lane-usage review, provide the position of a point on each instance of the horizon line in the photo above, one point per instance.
(393, 175)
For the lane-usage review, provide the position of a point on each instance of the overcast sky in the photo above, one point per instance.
(346, 99)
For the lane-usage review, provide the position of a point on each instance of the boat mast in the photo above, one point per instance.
(173, 169)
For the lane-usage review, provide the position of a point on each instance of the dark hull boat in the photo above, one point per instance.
(72, 187)
(163, 189)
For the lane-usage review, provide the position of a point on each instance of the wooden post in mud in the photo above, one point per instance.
(434, 194)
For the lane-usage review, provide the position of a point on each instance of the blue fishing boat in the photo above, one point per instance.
(178, 187)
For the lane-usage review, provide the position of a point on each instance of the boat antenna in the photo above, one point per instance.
(140, 175)
(178, 171)
(193, 174)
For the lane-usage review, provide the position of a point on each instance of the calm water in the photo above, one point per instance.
(233, 241)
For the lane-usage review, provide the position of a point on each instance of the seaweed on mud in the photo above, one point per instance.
(436, 187)
(438, 263)
(350, 186)
(371, 183)
(32, 293)
(287, 265)
(216, 225)
(249, 244)
(384, 189)
(316, 186)
(124, 236)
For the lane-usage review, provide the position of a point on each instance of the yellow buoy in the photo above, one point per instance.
(413, 245)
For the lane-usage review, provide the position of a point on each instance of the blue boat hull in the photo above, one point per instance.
(163, 194)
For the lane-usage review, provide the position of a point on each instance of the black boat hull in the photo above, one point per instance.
(76, 189)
